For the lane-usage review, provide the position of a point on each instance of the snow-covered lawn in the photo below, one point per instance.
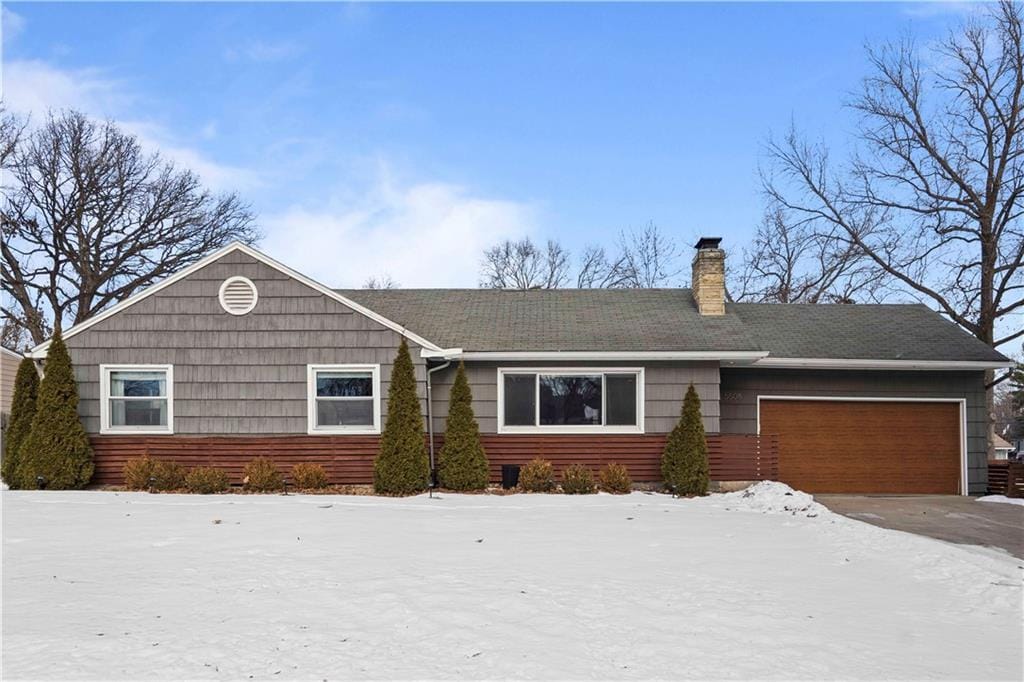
(136, 586)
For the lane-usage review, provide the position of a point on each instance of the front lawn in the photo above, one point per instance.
(133, 586)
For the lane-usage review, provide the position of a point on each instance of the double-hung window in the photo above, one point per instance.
(136, 399)
(570, 400)
(344, 399)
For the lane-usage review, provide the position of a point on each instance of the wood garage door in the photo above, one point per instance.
(828, 446)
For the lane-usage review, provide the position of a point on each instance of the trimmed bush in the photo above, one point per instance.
(309, 476)
(261, 475)
(168, 476)
(402, 466)
(578, 479)
(23, 411)
(684, 463)
(137, 472)
(538, 476)
(57, 447)
(614, 479)
(463, 463)
(206, 480)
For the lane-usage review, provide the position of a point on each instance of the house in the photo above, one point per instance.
(240, 355)
(1001, 448)
(9, 361)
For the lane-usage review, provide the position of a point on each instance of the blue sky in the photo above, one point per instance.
(384, 138)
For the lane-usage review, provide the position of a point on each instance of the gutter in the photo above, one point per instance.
(726, 358)
(430, 419)
(856, 363)
(733, 357)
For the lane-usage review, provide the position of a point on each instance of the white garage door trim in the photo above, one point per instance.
(888, 399)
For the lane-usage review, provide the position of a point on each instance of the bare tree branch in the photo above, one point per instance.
(791, 261)
(385, 281)
(89, 219)
(933, 198)
(522, 265)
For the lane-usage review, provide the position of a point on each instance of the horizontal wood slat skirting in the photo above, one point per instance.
(1005, 478)
(348, 460)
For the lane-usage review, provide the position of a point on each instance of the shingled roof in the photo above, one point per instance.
(642, 320)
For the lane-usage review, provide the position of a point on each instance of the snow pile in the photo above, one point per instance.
(1002, 498)
(772, 497)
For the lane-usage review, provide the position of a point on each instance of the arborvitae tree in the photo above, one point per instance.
(23, 410)
(684, 464)
(57, 448)
(463, 463)
(402, 466)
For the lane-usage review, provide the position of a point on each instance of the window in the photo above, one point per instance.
(344, 399)
(136, 399)
(570, 401)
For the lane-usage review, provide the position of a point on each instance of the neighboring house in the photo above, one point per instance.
(239, 355)
(9, 361)
(1001, 448)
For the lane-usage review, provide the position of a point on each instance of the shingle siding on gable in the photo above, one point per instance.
(234, 374)
(665, 386)
(740, 388)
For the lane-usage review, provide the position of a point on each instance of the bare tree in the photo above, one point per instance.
(598, 271)
(791, 262)
(648, 258)
(384, 281)
(11, 130)
(13, 334)
(90, 219)
(933, 198)
(644, 258)
(523, 265)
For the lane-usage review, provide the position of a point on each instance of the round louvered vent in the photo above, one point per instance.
(238, 295)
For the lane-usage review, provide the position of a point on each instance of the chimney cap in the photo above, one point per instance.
(708, 243)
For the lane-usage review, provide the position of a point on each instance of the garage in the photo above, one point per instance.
(866, 445)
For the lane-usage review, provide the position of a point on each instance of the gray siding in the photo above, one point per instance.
(234, 374)
(665, 386)
(740, 388)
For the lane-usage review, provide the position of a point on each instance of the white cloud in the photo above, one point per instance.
(218, 177)
(262, 52)
(13, 24)
(423, 235)
(209, 131)
(32, 88)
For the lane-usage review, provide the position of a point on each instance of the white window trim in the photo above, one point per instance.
(311, 426)
(962, 402)
(569, 371)
(106, 428)
(228, 282)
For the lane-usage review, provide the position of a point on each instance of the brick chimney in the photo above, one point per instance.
(709, 276)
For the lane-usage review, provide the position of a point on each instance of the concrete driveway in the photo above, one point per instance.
(962, 520)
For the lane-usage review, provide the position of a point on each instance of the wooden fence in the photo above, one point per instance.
(349, 459)
(1005, 478)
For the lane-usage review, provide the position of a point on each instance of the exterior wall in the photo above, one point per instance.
(234, 375)
(740, 388)
(665, 384)
(348, 460)
(8, 370)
